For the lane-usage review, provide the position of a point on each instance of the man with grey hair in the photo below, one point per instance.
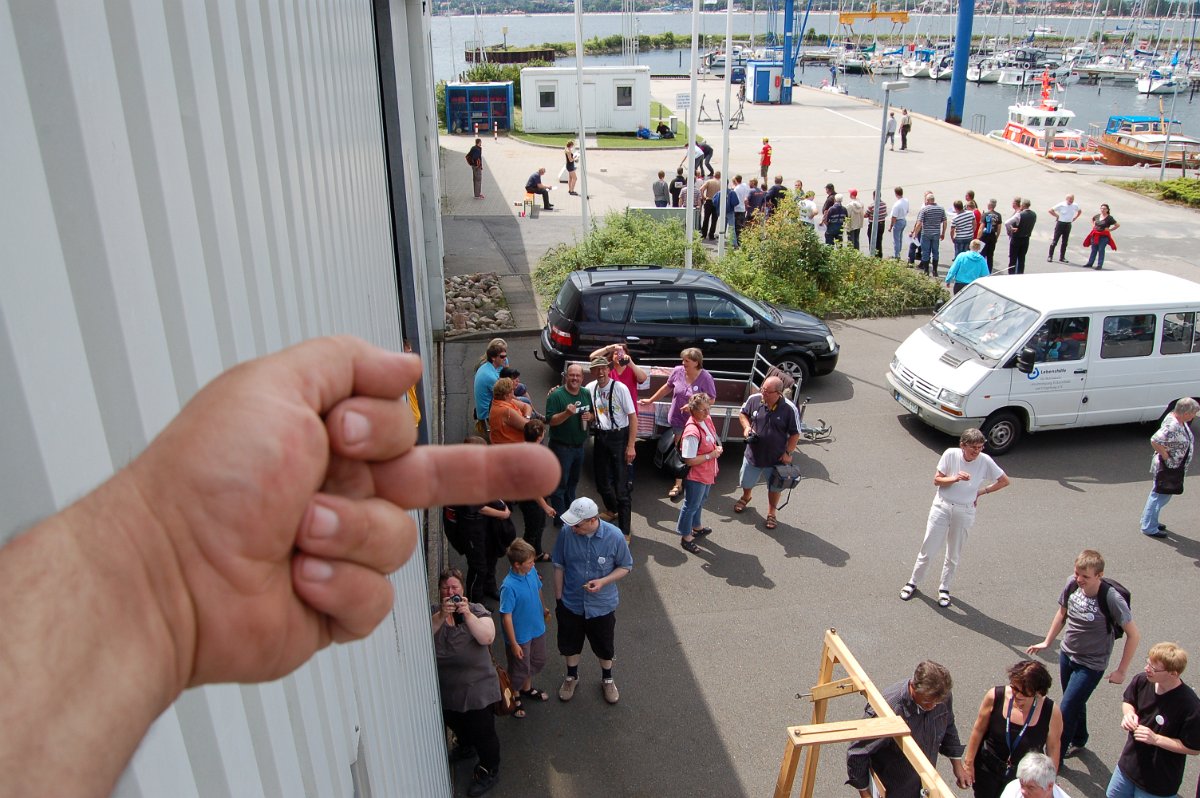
(1035, 779)
(771, 427)
(964, 473)
(1173, 446)
(926, 705)
(1021, 229)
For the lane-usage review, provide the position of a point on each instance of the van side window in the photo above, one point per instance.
(1061, 339)
(1179, 334)
(661, 307)
(717, 310)
(613, 307)
(1128, 336)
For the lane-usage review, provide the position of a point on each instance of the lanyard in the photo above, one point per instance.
(1009, 741)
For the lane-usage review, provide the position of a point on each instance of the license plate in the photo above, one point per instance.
(905, 402)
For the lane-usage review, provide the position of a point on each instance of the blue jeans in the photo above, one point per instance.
(1119, 786)
(1154, 504)
(1097, 253)
(931, 247)
(570, 460)
(898, 236)
(694, 496)
(1078, 683)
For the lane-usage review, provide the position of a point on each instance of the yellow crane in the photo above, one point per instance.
(850, 17)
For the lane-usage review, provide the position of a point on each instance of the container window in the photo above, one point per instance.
(624, 96)
(547, 97)
(1128, 336)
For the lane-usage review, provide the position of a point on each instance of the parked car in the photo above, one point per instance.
(657, 312)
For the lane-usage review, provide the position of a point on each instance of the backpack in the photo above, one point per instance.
(1106, 585)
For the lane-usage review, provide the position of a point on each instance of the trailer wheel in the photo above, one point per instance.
(1001, 431)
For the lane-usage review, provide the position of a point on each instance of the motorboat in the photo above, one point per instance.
(1142, 140)
(1044, 129)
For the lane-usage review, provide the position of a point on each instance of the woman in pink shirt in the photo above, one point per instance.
(700, 448)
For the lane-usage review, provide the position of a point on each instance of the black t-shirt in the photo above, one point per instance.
(1103, 222)
(1175, 714)
(1025, 224)
(676, 187)
(475, 155)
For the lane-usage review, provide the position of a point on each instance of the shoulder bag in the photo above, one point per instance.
(508, 697)
(668, 456)
(1167, 480)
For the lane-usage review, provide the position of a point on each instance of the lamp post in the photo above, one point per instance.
(504, 33)
(889, 86)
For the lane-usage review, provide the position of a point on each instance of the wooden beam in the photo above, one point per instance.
(834, 689)
(848, 731)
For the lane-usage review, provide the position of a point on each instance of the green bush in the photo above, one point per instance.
(782, 261)
(622, 237)
(488, 72)
(1185, 190)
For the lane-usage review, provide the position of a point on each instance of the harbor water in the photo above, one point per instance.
(986, 105)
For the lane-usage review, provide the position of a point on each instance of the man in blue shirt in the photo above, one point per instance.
(485, 379)
(589, 557)
(968, 267)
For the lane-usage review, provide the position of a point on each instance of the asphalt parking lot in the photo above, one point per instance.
(712, 650)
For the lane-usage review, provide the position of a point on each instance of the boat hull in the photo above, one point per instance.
(1122, 156)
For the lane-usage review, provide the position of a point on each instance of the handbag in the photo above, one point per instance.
(1167, 480)
(668, 456)
(508, 697)
(784, 476)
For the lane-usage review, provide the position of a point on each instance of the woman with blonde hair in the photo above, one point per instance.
(686, 379)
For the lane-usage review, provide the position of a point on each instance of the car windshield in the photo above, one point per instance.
(763, 309)
(984, 322)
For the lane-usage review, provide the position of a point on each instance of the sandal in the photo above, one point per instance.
(943, 598)
(907, 591)
(702, 531)
(771, 522)
(689, 546)
(540, 695)
(675, 493)
(740, 505)
(519, 712)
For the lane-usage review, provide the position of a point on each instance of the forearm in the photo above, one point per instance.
(615, 575)
(1132, 638)
(482, 629)
(93, 652)
(558, 584)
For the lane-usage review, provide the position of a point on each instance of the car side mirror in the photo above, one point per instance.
(1025, 360)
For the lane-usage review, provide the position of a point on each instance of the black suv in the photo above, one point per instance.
(657, 312)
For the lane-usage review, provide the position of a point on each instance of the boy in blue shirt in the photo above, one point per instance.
(524, 617)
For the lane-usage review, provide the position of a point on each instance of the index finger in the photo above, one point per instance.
(327, 370)
(429, 476)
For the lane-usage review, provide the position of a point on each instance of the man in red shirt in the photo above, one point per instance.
(764, 158)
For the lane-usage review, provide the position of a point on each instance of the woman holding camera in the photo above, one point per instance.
(686, 380)
(462, 636)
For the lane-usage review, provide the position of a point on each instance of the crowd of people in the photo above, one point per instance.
(1020, 734)
(841, 219)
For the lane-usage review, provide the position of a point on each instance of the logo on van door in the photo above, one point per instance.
(1033, 375)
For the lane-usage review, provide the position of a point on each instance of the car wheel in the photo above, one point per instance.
(1001, 431)
(795, 367)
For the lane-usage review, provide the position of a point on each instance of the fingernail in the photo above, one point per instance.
(324, 523)
(315, 570)
(355, 427)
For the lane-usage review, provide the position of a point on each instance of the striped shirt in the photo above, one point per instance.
(963, 225)
(930, 217)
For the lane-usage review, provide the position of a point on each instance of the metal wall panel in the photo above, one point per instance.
(186, 184)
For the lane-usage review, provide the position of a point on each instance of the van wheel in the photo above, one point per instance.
(795, 367)
(1001, 432)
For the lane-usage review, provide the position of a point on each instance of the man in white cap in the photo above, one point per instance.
(589, 557)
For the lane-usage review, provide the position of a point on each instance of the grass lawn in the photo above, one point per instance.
(610, 141)
(1178, 191)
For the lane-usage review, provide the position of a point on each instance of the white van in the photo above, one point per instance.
(1022, 353)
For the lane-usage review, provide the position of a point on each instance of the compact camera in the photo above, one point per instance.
(456, 599)
(752, 438)
(623, 360)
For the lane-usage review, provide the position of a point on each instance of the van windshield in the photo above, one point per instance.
(984, 322)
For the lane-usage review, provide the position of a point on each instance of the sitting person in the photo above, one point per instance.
(664, 131)
(643, 132)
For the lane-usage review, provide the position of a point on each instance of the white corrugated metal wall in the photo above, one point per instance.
(185, 184)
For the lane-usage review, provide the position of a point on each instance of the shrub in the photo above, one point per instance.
(1185, 190)
(781, 261)
(784, 261)
(487, 72)
(622, 237)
